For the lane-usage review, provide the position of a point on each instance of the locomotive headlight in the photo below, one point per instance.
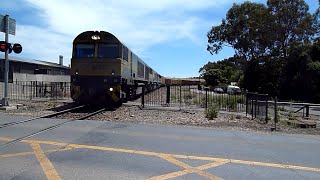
(95, 37)
(77, 73)
(110, 89)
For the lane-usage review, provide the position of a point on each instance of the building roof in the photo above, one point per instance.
(32, 61)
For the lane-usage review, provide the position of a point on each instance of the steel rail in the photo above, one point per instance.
(50, 128)
(46, 116)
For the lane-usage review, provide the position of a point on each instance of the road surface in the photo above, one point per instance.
(106, 150)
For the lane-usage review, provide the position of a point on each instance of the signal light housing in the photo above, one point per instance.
(17, 48)
(4, 46)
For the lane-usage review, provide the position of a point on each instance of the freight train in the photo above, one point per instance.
(105, 71)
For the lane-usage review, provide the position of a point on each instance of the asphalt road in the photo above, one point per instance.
(105, 150)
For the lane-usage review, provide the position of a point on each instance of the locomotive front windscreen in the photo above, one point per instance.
(84, 50)
(108, 51)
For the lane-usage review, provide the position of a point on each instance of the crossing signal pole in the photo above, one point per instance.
(5, 98)
(8, 26)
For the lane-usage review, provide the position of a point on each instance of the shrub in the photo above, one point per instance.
(282, 109)
(232, 105)
(188, 96)
(291, 116)
(240, 99)
(212, 112)
(52, 104)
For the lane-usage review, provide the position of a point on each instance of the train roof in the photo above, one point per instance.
(97, 36)
(103, 36)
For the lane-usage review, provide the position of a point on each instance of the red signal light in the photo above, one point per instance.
(3, 46)
(17, 48)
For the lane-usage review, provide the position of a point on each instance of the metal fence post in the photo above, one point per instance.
(275, 113)
(307, 111)
(57, 86)
(36, 88)
(180, 95)
(267, 105)
(247, 104)
(142, 98)
(255, 105)
(252, 102)
(206, 98)
(168, 94)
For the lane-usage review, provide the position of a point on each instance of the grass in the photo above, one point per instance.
(282, 109)
(221, 101)
(232, 105)
(291, 117)
(226, 101)
(52, 104)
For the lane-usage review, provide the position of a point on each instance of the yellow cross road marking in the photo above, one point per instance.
(284, 166)
(184, 172)
(172, 158)
(188, 169)
(45, 163)
(32, 153)
(16, 154)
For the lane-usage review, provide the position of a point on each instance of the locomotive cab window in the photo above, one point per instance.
(84, 50)
(125, 53)
(108, 51)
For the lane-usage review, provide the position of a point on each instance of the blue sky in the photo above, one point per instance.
(169, 35)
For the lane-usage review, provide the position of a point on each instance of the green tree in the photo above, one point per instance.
(301, 73)
(213, 77)
(291, 24)
(263, 36)
(246, 29)
(231, 69)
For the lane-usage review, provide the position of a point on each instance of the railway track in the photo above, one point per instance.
(40, 117)
(50, 127)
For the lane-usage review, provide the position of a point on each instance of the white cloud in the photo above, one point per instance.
(140, 24)
(42, 44)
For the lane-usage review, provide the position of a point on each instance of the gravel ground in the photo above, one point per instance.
(134, 114)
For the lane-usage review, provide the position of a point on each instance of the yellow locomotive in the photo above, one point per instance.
(105, 71)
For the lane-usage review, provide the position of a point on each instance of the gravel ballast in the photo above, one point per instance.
(173, 116)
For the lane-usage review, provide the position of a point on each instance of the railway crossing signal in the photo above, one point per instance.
(3, 46)
(8, 26)
(16, 48)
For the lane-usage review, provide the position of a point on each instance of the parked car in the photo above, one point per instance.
(218, 90)
(233, 90)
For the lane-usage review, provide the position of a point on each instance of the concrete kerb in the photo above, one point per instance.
(7, 108)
